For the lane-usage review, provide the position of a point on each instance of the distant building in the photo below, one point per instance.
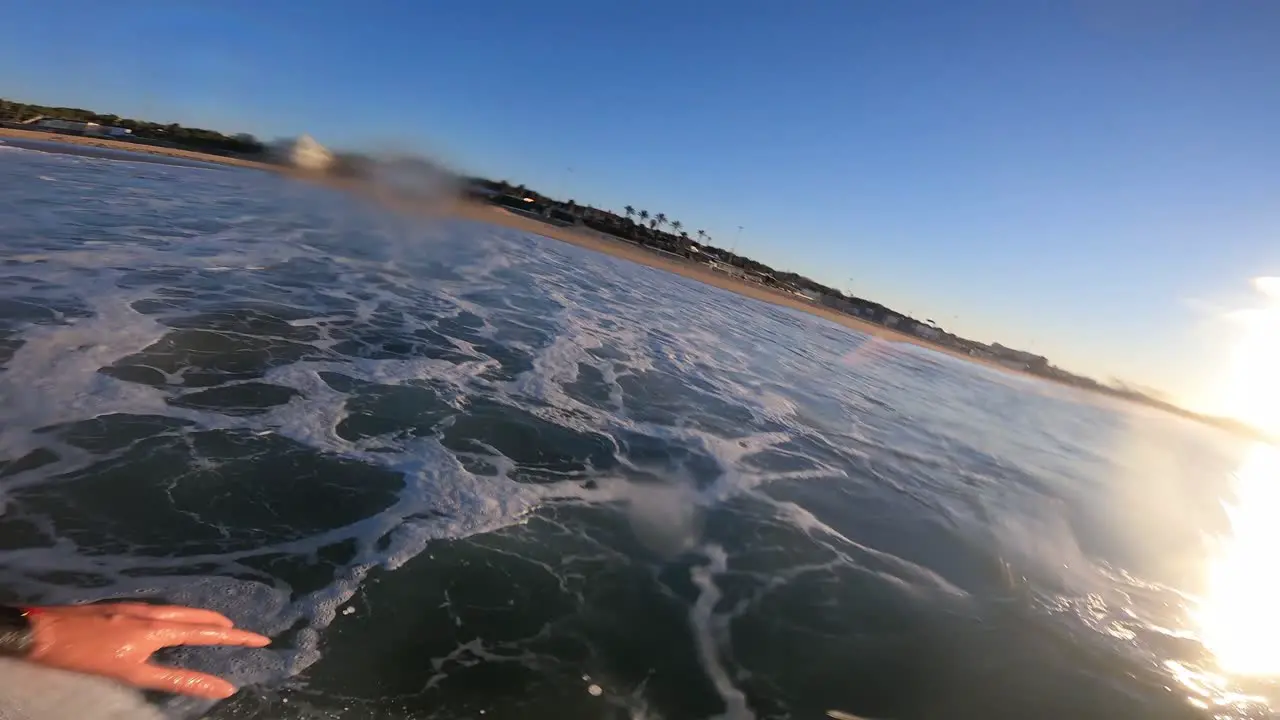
(520, 204)
(855, 306)
(74, 126)
(560, 216)
(928, 332)
(82, 128)
(727, 269)
(1019, 359)
(304, 153)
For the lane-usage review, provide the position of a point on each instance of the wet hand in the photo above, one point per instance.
(116, 640)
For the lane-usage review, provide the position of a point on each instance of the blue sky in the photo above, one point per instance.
(1092, 180)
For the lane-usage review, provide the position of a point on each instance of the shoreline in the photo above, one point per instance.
(619, 248)
(582, 237)
(52, 140)
(483, 212)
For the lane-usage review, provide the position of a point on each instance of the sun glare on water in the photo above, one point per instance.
(1239, 616)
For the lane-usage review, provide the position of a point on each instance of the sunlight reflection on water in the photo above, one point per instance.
(1238, 617)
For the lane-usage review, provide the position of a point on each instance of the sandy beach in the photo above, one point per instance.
(616, 247)
(581, 237)
(119, 145)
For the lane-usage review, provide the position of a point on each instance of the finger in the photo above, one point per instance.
(146, 611)
(181, 681)
(176, 613)
(208, 635)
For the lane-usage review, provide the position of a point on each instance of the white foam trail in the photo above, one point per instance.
(53, 378)
(577, 316)
(711, 636)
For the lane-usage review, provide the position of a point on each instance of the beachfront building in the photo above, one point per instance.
(841, 303)
(81, 128)
(1018, 359)
(727, 269)
(928, 332)
(303, 153)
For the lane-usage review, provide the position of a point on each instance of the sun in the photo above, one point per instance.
(1237, 617)
(1252, 380)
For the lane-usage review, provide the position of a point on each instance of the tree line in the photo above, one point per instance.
(210, 141)
(657, 231)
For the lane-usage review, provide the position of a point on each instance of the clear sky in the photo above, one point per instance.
(1094, 180)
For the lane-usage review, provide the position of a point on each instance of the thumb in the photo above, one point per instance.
(181, 681)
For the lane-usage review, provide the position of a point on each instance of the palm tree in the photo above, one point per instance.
(661, 218)
(644, 215)
(702, 235)
(629, 211)
(676, 225)
(684, 236)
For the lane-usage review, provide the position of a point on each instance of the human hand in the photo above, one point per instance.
(115, 640)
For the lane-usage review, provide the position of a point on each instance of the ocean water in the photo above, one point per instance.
(458, 471)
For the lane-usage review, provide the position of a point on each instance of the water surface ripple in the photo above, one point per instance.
(456, 470)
